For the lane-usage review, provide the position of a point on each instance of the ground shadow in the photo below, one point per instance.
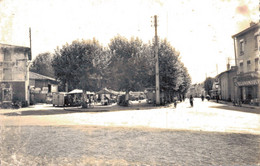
(69, 110)
(236, 108)
(38, 112)
(111, 109)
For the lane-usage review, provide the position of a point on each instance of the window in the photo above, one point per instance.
(1, 75)
(256, 64)
(241, 67)
(256, 42)
(242, 47)
(7, 74)
(248, 65)
(7, 55)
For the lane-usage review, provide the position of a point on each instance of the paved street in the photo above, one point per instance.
(207, 134)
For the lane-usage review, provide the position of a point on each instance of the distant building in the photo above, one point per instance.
(196, 90)
(14, 74)
(225, 86)
(247, 52)
(41, 88)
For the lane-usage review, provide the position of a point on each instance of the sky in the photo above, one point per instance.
(200, 30)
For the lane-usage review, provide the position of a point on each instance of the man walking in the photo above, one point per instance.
(191, 101)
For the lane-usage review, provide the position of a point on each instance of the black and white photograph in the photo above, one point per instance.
(129, 82)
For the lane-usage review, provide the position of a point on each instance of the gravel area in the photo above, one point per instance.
(86, 145)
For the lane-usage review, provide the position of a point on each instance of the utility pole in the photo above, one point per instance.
(156, 64)
(30, 37)
(217, 68)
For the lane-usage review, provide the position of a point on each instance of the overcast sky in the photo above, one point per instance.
(200, 30)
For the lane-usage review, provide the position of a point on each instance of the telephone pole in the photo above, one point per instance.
(157, 93)
(30, 38)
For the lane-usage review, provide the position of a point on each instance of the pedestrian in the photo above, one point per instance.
(217, 98)
(175, 101)
(202, 97)
(191, 101)
(208, 97)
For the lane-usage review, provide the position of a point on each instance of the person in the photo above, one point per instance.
(175, 101)
(217, 98)
(202, 97)
(191, 101)
(208, 97)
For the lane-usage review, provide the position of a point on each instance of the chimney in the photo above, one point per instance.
(228, 66)
(252, 23)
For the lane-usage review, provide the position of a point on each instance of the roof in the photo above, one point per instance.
(36, 76)
(232, 69)
(247, 30)
(22, 48)
(9, 45)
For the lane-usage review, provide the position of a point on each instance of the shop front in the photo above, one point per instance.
(248, 88)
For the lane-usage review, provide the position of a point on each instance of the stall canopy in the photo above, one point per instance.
(76, 91)
(107, 91)
(80, 91)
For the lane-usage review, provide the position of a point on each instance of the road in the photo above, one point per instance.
(207, 134)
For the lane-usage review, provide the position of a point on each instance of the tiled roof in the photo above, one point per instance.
(36, 76)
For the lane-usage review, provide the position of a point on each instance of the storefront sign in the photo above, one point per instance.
(248, 83)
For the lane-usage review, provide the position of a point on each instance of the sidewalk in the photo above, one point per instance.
(243, 105)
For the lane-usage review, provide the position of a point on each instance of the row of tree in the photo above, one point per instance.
(125, 65)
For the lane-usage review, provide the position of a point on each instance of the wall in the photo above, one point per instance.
(16, 64)
(232, 87)
(224, 89)
(250, 52)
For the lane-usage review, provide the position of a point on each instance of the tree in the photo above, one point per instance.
(208, 83)
(75, 64)
(129, 64)
(42, 64)
(174, 77)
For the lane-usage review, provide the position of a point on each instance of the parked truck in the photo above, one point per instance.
(60, 99)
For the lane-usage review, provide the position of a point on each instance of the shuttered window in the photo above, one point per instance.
(7, 74)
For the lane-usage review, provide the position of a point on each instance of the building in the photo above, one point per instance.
(196, 90)
(14, 74)
(41, 88)
(247, 51)
(225, 86)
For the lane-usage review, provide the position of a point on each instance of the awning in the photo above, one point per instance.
(107, 91)
(76, 91)
(80, 91)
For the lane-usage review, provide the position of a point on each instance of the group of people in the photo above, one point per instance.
(175, 99)
(191, 99)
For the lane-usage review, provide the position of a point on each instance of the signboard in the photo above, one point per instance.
(44, 90)
(248, 83)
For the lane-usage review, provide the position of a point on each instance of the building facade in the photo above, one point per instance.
(41, 88)
(226, 88)
(247, 51)
(14, 74)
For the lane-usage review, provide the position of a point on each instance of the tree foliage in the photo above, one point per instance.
(174, 77)
(129, 64)
(125, 65)
(74, 64)
(42, 64)
(208, 83)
